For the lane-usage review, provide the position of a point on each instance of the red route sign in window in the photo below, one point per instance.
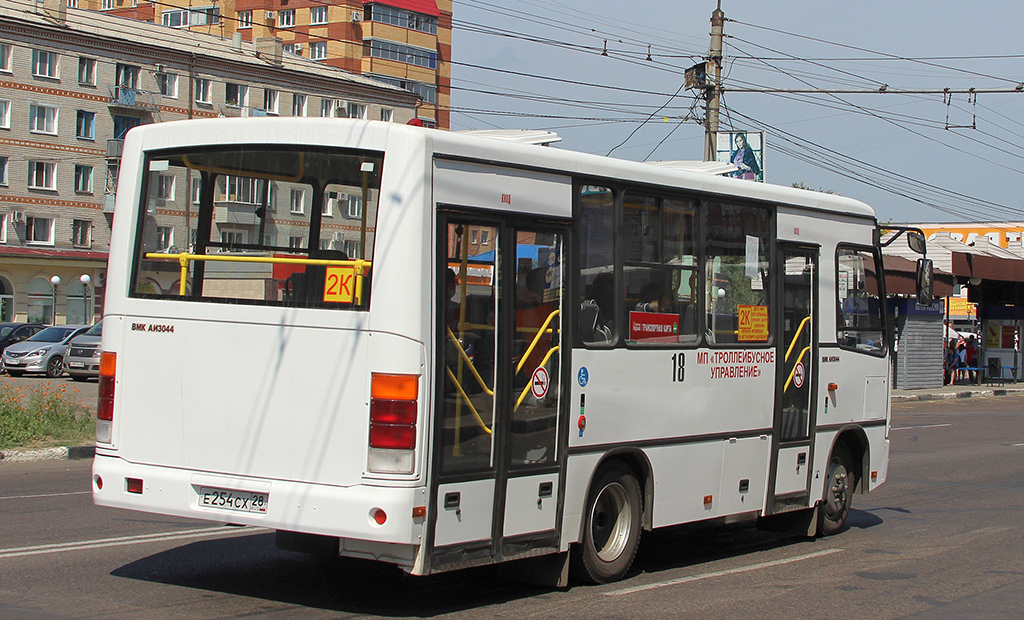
(653, 327)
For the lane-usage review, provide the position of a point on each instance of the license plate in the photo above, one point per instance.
(76, 365)
(238, 501)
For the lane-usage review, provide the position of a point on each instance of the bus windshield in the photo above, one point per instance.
(252, 224)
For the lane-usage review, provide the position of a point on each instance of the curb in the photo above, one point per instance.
(63, 453)
(955, 395)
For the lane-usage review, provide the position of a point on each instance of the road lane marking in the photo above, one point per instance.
(45, 495)
(720, 573)
(910, 428)
(80, 545)
(1018, 445)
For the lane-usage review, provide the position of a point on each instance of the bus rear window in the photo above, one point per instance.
(287, 226)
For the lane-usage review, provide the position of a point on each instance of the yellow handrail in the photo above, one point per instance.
(543, 362)
(795, 336)
(184, 258)
(465, 397)
(469, 363)
(540, 331)
(793, 372)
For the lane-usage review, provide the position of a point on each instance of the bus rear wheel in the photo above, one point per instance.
(839, 486)
(611, 533)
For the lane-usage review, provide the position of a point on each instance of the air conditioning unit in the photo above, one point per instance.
(298, 47)
(357, 16)
(270, 15)
(18, 216)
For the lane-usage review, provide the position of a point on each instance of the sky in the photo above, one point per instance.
(581, 69)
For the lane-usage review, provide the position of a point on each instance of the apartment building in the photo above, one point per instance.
(73, 82)
(403, 42)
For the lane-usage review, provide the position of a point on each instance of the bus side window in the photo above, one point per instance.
(736, 271)
(597, 255)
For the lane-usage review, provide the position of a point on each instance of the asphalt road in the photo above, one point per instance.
(942, 539)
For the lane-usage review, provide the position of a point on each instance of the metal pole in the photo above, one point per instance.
(713, 91)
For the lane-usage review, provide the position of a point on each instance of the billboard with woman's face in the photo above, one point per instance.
(745, 150)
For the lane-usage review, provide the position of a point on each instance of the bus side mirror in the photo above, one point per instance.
(916, 241)
(925, 282)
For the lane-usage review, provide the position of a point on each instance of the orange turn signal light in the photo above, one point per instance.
(832, 387)
(394, 387)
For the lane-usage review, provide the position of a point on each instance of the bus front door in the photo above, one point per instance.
(499, 402)
(794, 421)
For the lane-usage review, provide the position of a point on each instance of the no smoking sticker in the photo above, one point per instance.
(539, 383)
(798, 375)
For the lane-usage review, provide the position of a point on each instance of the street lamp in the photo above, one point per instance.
(55, 281)
(86, 297)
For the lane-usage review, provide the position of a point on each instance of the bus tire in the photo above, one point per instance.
(839, 485)
(611, 534)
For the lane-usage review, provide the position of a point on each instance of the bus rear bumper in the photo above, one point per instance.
(350, 513)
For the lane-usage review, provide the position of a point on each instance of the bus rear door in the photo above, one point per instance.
(497, 455)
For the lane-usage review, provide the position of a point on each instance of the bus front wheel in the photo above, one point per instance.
(611, 533)
(839, 486)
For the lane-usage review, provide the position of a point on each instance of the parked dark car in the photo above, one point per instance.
(43, 352)
(16, 332)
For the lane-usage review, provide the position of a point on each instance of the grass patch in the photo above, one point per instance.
(42, 417)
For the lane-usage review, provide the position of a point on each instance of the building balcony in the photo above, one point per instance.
(133, 98)
(233, 111)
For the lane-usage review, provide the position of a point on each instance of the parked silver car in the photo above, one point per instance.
(83, 358)
(43, 352)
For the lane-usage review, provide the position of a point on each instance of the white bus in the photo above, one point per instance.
(440, 351)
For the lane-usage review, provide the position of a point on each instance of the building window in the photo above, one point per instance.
(203, 91)
(288, 48)
(327, 209)
(164, 237)
(428, 92)
(42, 118)
(5, 297)
(244, 19)
(270, 101)
(85, 125)
(328, 107)
(127, 76)
(387, 115)
(318, 15)
(3, 170)
(356, 110)
(87, 71)
(5, 57)
(355, 206)
(400, 53)
(72, 4)
(45, 64)
(286, 18)
(318, 50)
(42, 175)
(81, 233)
(295, 242)
(5, 113)
(236, 94)
(83, 179)
(297, 201)
(107, 5)
(198, 16)
(403, 19)
(197, 190)
(39, 230)
(165, 186)
(167, 84)
(298, 105)
(123, 123)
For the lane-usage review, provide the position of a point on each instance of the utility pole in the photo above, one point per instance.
(713, 90)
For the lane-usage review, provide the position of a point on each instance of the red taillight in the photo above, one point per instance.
(393, 411)
(105, 404)
(133, 485)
